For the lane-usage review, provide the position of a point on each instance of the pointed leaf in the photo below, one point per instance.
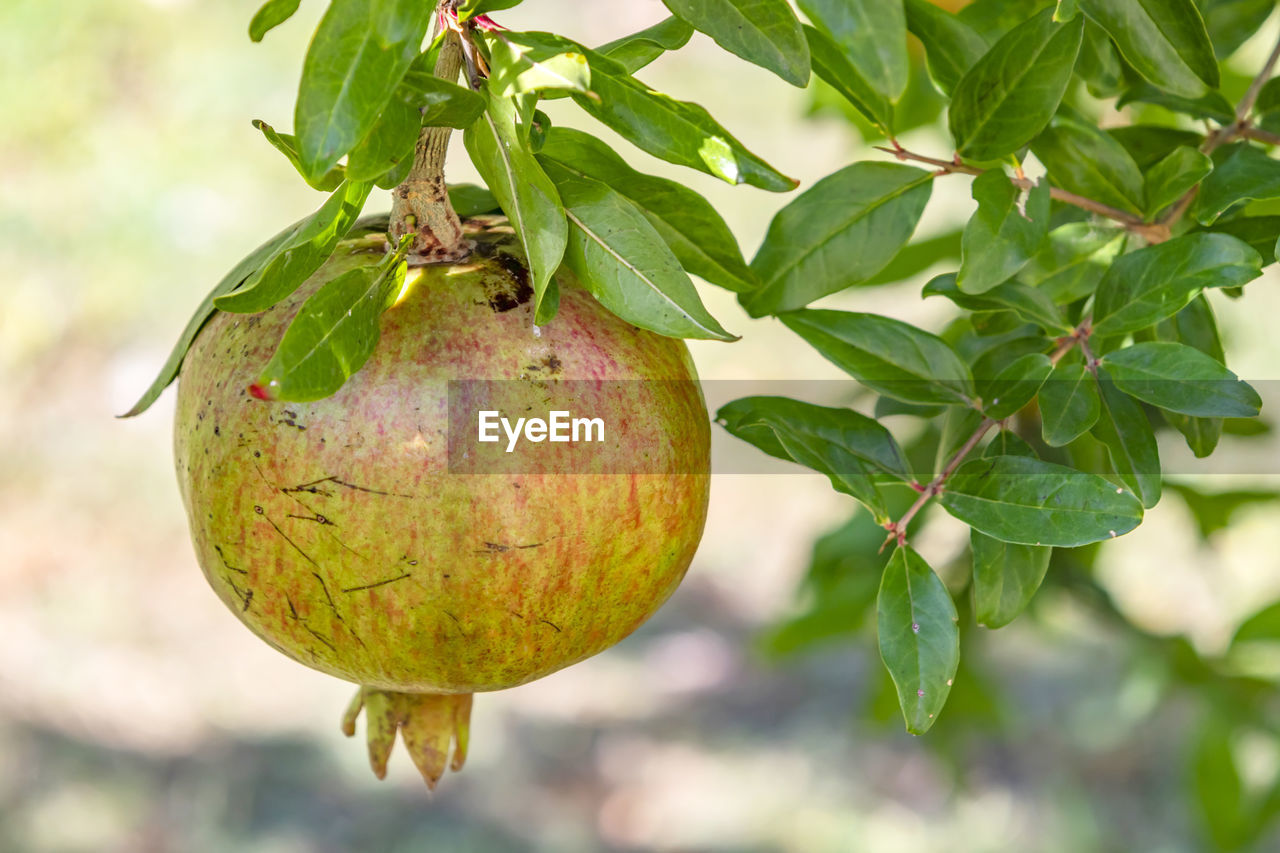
(1195, 326)
(293, 262)
(1010, 94)
(287, 145)
(1014, 386)
(872, 34)
(359, 53)
(1260, 232)
(764, 32)
(951, 46)
(916, 622)
(1143, 287)
(834, 68)
(534, 62)
(696, 233)
(1073, 260)
(676, 131)
(333, 334)
(472, 200)
(622, 260)
(637, 50)
(1099, 63)
(421, 98)
(1241, 173)
(1005, 577)
(1182, 379)
(1164, 40)
(1030, 502)
(1086, 161)
(1028, 303)
(1173, 176)
(529, 198)
(886, 355)
(272, 14)
(1005, 232)
(253, 262)
(1069, 404)
(846, 446)
(1125, 430)
(841, 231)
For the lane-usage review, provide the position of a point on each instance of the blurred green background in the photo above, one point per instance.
(136, 714)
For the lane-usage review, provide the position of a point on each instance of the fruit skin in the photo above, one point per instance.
(335, 531)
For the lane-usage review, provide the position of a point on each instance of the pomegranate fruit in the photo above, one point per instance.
(363, 534)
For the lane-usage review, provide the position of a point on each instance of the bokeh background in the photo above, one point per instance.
(136, 714)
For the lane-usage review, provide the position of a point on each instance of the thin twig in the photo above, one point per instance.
(1259, 135)
(951, 167)
(1250, 98)
(898, 529)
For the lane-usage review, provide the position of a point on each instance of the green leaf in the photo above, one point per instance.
(1182, 379)
(1143, 287)
(637, 50)
(676, 131)
(1030, 502)
(916, 622)
(1174, 176)
(1009, 95)
(841, 231)
(1147, 144)
(472, 200)
(1123, 427)
(1073, 260)
(295, 259)
(1260, 232)
(763, 32)
(287, 145)
(1213, 105)
(872, 34)
(1028, 303)
(333, 334)
(1004, 234)
(470, 8)
(252, 263)
(1262, 626)
(1218, 787)
(1014, 386)
(1084, 160)
(502, 156)
(534, 62)
(1231, 22)
(918, 257)
(1164, 40)
(1005, 577)
(886, 355)
(1069, 404)
(272, 14)
(951, 46)
(834, 68)
(1195, 326)
(1099, 64)
(696, 233)
(622, 260)
(358, 55)
(1213, 511)
(421, 98)
(1241, 172)
(842, 444)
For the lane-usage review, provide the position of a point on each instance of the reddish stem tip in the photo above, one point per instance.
(258, 391)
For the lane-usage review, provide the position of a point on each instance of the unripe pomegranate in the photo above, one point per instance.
(343, 532)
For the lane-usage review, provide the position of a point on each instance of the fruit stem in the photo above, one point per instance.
(420, 205)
